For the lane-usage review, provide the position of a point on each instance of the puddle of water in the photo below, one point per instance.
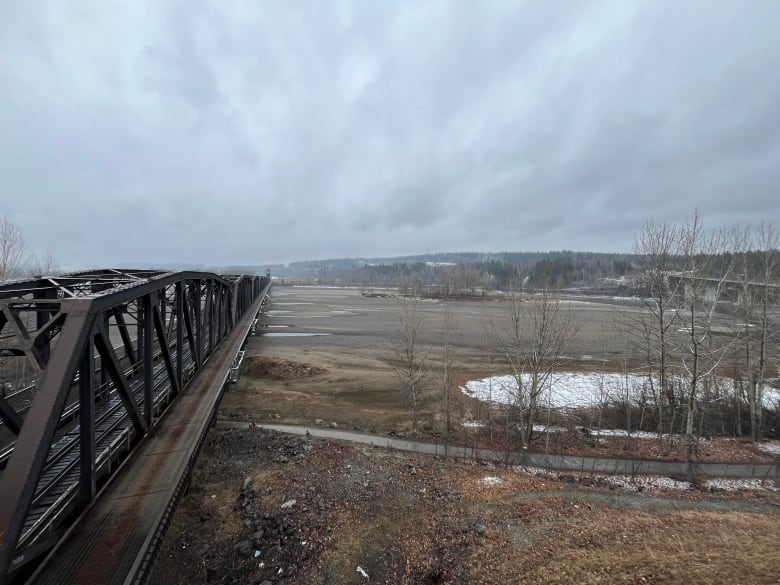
(294, 334)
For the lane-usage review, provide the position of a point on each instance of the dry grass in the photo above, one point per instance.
(638, 547)
(276, 368)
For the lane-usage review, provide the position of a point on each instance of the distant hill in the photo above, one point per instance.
(461, 272)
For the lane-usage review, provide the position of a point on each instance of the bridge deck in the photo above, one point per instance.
(111, 543)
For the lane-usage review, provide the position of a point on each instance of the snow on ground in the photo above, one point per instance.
(771, 447)
(491, 480)
(549, 429)
(568, 389)
(639, 483)
(735, 485)
(624, 433)
(574, 389)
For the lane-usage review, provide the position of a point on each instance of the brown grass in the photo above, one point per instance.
(276, 368)
(638, 547)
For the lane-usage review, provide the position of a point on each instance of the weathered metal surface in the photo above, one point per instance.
(88, 361)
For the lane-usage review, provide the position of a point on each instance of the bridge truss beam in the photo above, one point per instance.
(88, 363)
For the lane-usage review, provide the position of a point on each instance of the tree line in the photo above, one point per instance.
(587, 272)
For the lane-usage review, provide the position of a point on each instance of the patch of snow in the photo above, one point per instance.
(575, 389)
(491, 480)
(550, 429)
(653, 482)
(473, 424)
(771, 398)
(567, 389)
(772, 447)
(647, 482)
(735, 485)
(624, 433)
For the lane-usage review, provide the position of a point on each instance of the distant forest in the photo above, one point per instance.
(470, 273)
(465, 272)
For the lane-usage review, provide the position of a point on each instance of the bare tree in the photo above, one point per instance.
(449, 326)
(704, 283)
(758, 260)
(534, 341)
(410, 356)
(768, 242)
(14, 253)
(655, 247)
(46, 264)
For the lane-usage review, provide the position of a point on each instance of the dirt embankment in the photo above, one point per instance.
(271, 508)
(275, 368)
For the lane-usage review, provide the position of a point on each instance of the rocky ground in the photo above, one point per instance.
(266, 507)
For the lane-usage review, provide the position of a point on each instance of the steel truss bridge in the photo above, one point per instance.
(89, 363)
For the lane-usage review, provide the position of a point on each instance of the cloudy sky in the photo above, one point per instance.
(257, 131)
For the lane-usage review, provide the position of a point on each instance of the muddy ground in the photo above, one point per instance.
(265, 507)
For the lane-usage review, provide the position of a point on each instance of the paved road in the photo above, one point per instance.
(559, 462)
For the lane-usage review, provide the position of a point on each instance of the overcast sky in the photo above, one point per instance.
(259, 132)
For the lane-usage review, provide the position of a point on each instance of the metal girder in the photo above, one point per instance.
(179, 302)
(87, 480)
(110, 361)
(10, 417)
(210, 313)
(23, 471)
(194, 345)
(71, 326)
(125, 334)
(24, 341)
(148, 353)
(165, 349)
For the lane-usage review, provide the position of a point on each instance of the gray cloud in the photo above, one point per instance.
(268, 131)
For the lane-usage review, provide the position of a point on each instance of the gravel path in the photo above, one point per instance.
(631, 467)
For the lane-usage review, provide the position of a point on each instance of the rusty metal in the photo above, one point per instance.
(88, 362)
